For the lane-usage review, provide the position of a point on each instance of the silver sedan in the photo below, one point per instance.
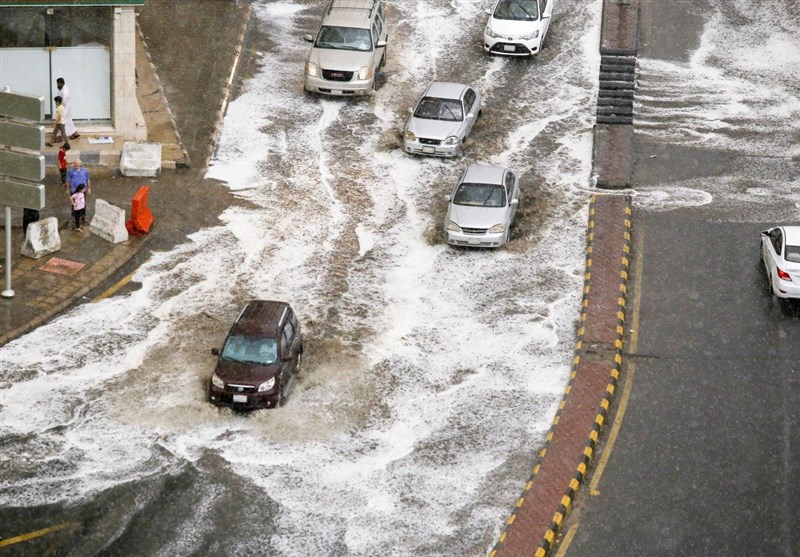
(442, 120)
(482, 207)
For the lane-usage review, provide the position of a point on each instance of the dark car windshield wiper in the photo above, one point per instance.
(455, 118)
(529, 14)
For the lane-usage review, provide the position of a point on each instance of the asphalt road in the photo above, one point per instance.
(702, 456)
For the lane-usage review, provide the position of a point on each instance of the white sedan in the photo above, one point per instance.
(517, 27)
(780, 257)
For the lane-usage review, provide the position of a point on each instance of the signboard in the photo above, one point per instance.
(25, 136)
(24, 107)
(22, 165)
(21, 194)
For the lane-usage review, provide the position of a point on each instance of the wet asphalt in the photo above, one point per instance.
(708, 447)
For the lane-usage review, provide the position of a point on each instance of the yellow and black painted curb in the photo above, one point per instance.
(576, 360)
(549, 539)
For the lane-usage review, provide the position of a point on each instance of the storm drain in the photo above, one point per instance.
(617, 84)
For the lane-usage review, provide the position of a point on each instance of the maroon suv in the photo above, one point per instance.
(260, 358)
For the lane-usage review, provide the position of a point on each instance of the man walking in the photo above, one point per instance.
(58, 124)
(63, 92)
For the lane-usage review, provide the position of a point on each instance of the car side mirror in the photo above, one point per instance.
(308, 38)
(380, 44)
(286, 358)
(487, 11)
(411, 110)
(514, 202)
(215, 351)
(470, 116)
(447, 197)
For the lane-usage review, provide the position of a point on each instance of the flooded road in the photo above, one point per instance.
(431, 374)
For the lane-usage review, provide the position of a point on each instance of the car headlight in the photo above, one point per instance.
(491, 33)
(364, 72)
(266, 385)
(496, 229)
(531, 36)
(312, 69)
(217, 382)
(453, 227)
(410, 136)
(452, 140)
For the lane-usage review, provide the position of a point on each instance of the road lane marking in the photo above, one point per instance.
(39, 533)
(113, 290)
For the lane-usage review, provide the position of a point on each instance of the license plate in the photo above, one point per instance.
(473, 240)
(239, 398)
(428, 150)
(509, 47)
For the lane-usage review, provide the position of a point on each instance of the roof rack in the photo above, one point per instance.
(367, 5)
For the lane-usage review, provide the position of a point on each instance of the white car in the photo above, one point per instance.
(517, 27)
(482, 207)
(780, 257)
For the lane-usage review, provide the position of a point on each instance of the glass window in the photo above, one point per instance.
(289, 330)
(480, 195)
(344, 38)
(431, 108)
(469, 99)
(517, 10)
(792, 254)
(250, 350)
(66, 26)
(777, 240)
(509, 180)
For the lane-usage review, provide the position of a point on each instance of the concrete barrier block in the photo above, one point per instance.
(109, 222)
(41, 238)
(140, 159)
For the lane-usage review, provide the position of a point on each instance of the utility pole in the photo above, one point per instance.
(21, 161)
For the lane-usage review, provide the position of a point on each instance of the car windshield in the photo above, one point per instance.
(480, 195)
(260, 351)
(792, 254)
(517, 10)
(344, 38)
(432, 108)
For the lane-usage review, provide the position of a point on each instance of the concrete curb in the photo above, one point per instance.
(168, 109)
(612, 159)
(611, 388)
(576, 360)
(228, 87)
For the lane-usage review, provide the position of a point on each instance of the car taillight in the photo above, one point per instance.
(783, 274)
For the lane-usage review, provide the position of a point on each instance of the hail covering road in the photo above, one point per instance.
(735, 97)
(431, 373)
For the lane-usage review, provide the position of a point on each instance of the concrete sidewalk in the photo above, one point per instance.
(49, 285)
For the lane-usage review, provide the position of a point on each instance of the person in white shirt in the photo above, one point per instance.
(63, 92)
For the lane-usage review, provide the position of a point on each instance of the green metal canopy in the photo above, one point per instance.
(68, 3)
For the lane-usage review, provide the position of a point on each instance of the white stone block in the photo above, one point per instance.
(109, 222)
(140, 159)
(41, 238)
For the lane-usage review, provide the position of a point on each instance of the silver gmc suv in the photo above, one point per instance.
(349, 48)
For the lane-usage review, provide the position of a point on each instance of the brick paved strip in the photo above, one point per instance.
(570, 444)
(620, 27)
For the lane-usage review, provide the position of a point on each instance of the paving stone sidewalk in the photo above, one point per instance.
(47, 286)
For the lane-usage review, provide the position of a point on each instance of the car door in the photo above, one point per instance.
(293, 345)
(470, 110)
(546, 9)
(771, 246)
(512, 189)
